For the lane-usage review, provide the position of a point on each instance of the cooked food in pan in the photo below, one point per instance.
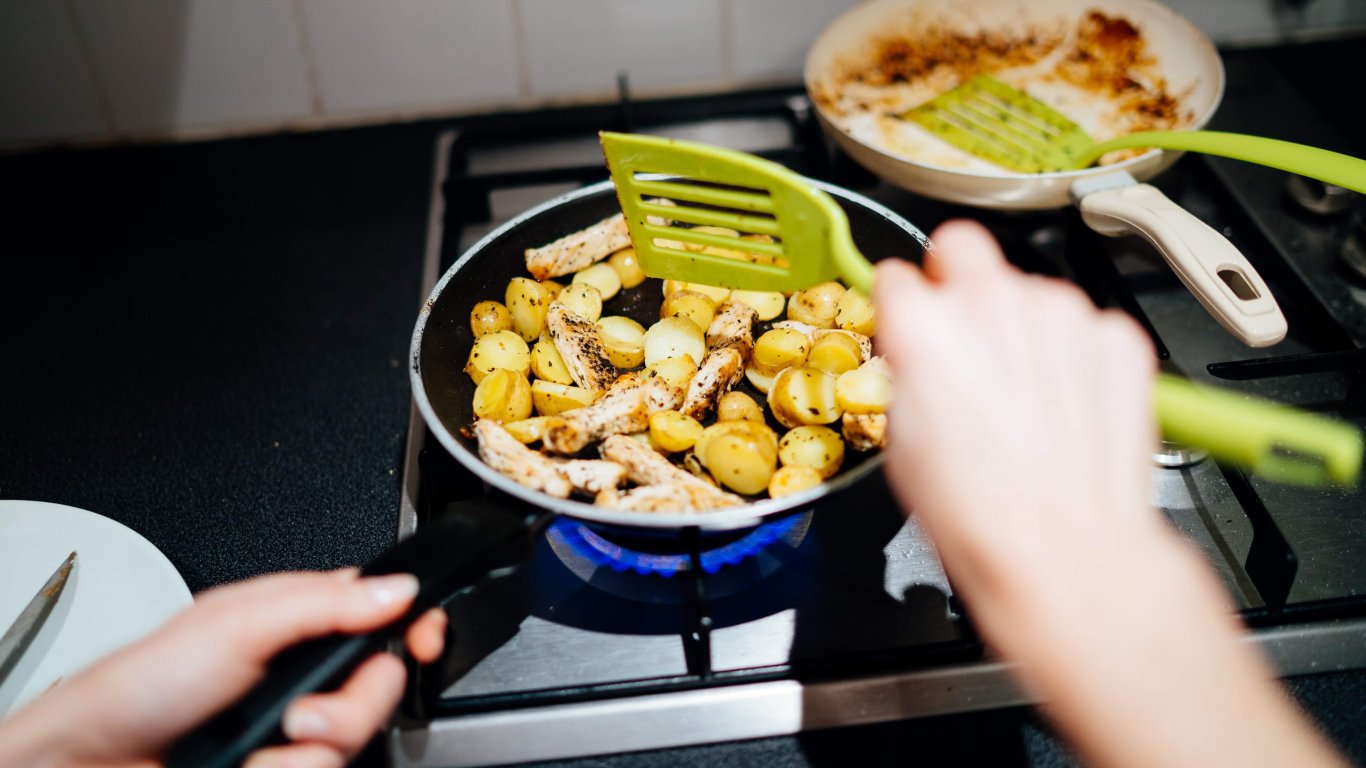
(729, 396)
(1097, 70)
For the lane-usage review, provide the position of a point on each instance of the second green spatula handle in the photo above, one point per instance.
(1324, 165)
(1267, 439)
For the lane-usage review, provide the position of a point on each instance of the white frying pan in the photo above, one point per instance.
(1112, 198)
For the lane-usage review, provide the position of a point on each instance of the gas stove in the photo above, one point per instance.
(842, 614)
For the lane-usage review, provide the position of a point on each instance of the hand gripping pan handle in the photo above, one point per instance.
(469, 543)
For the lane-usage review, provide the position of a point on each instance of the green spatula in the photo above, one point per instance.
(989, 119)
(717, 187)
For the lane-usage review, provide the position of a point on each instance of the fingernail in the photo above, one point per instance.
(394, 588)
(304, 723)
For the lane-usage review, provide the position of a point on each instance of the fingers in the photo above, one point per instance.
(427, 636)
(346, 719)
(262, 616)
(297, 756)
(964, 252)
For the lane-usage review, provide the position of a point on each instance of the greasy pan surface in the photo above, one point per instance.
(1175, 50)
(442, 340)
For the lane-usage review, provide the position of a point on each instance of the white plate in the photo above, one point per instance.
(121, 589)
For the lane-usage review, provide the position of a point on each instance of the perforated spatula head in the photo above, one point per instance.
(989, 119)
(791, 234)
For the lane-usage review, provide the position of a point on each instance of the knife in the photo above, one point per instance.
(20, 634)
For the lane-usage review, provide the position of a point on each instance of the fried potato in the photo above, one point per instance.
(673, 431)
(489, 316)
(864, 390)
(792, 479)
(500, 349)
(816, 305)
(623, 339)
(802, 396)
(627, 266)
(854, 312)
(527, 301)
(600, 276)
(551, 399)
(547, 364)
(738, 406)
(503, 395)
(819, 448)
(674, 337)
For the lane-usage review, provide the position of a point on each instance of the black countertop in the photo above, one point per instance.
(205, 342)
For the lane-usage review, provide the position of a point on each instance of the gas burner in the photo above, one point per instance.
(588, 544)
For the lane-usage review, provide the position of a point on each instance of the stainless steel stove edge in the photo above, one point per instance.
(786, 707)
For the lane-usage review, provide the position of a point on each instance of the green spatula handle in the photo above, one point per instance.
(1324, 165)
(1267, 439)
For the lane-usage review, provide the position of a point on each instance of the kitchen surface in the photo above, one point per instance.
(207, 342)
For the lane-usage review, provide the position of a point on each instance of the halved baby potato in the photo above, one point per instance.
(674, 431)
(675, 371)
(674, 337)
(695, 306)
(623, 339)
(779, 348)
(547, 364)
(583, 300)
(528, 301)
(627, 266)
(738, 406)
(551, 399)
(835, 353)
(854, 312)
(600, 276)
(864, 390)
(768, 304)
(817, 447)
(503, 396)
(500, 349)
(816, 305)
(792, 479)
(527, 431)
(803, 396)
(489, 316)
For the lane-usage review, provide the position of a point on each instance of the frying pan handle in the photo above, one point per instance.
(469, 543)
(1211, 267)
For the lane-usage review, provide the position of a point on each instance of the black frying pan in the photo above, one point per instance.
(475, 540)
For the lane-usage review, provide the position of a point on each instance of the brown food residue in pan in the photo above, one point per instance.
(1103, 56)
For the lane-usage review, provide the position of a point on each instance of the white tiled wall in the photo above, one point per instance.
(83, 70)
(411, 54)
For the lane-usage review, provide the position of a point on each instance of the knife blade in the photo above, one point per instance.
(21, 633)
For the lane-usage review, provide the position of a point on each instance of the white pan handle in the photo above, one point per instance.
(1215, 271)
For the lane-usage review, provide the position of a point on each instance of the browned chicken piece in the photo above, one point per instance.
(576, 339)
(865, 431)
(721, 370)
(578, 250)
(626, 381)
(620, 413)
(668, 497)
(646, 467)
(733, 326)
(517, 462)
(591, 476)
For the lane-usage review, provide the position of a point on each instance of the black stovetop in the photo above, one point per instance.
(854, 587)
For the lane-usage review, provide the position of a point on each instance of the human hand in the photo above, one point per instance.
(130, 707)
(1019, 433)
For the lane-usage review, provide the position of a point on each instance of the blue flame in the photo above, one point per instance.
(599, 551)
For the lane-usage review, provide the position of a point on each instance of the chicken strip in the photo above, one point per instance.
(620, 413)
(733, 326)
(865, 431)
(576, 339)
(669, 497)
(591, 476)
(515, 461)
(646, 467)
(721, 370)
(578, 250)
